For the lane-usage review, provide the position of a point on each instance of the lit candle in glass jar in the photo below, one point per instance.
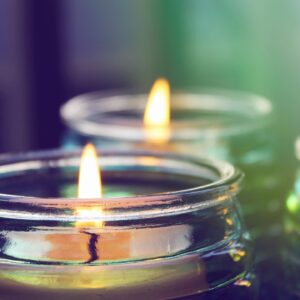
(182, 239)
(230, 125)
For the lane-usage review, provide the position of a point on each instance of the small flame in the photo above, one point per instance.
(89, 183)
(157, 112)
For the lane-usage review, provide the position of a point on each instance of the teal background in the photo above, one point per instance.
(52, 50)
(247, 45)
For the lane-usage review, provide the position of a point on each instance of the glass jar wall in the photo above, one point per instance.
(228, 125)
(168, 227)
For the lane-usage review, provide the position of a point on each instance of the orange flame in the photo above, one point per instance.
(89, 183)
(157, 113)
(89, 186)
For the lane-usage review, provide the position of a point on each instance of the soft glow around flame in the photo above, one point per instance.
(89, 184)
(157, 112)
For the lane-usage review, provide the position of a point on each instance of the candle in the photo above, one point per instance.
(230, 125)
(183, 239)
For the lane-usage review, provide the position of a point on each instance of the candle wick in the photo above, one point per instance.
(92, 247)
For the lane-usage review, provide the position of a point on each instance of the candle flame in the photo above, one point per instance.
(157, 112)
(89, 183)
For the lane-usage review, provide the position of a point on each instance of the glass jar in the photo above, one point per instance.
(228, 125)
(168, 227)
(291, 256)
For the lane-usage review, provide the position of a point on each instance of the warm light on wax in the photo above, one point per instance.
(157, 113)
(89, 183)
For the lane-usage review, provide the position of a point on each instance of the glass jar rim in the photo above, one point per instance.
(168, 203)
(254, 113)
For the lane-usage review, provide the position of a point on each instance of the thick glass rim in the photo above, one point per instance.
(224, 187)
(254, 112)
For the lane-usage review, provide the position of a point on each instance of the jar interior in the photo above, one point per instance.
(205, 245)
(121, 176)
(187, 110)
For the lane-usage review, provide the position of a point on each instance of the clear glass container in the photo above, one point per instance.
(291, 255)
(168, 227)
(228, 125)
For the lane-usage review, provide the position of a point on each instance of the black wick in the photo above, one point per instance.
(92, 246)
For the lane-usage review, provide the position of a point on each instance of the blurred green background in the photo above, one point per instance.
(52, 50)
(247, 45)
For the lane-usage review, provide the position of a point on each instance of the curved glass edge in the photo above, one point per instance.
(75, 114)
(219, 191)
